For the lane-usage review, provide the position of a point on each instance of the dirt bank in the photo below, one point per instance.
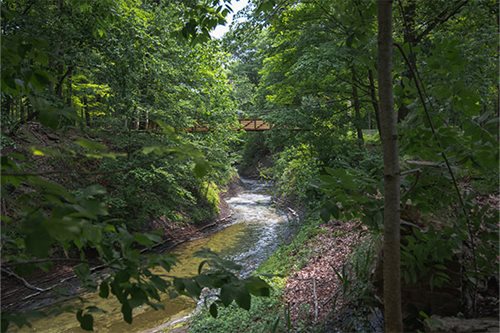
(316, 289)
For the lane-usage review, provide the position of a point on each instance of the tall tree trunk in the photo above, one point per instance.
(12, 107)
(137, 120)
(70, 86)
(58, 90)
(81, 121)
(31, 113)
(392, 275)
(7, 106)
(357, 111)
(369, 120)
(373, 97)
(86, 111)
(22, 113)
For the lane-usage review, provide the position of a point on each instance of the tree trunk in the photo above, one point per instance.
(369, 119)
(81, 119)
(7, 106)
(86, 111)
(137, 119)
(58, 90)
(12, 108)
(70, 87)
(357, 111)
(22, 114)
(373, 97)
(392, 275)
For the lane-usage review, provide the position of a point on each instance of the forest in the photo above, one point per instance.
(137, 197)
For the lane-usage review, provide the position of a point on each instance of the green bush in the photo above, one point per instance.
(294, 171)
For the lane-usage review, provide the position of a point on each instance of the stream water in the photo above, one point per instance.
(256, 230)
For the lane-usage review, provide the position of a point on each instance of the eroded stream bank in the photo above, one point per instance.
(255, 231)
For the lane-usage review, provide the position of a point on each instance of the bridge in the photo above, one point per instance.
(248, 125)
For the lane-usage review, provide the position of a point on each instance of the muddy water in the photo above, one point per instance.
(256, 231)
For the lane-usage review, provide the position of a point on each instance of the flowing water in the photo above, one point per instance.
(256, 230)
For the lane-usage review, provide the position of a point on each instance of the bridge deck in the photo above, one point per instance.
(249, 125)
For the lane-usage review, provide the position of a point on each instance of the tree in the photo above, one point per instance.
(392, 275)
(112, 67)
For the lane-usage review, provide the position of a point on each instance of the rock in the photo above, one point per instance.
(436, 324)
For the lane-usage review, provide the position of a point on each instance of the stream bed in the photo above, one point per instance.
(254, 233)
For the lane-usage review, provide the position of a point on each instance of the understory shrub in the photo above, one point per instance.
(294, 171)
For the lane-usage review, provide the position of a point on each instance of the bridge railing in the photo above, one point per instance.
(249, 125)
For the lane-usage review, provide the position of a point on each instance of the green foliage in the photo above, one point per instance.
(211, 194)
(295, 169)
(96, 191)
(215, 272)
(260, 317)
(119, 72)
(352, 192)
(425, 254)
(254, 151)
(316, 54)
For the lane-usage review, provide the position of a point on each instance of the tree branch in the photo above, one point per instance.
(28, 7)
(39, 261)
(417, 178)
(61, 80)
(22, 280)
(440, 19)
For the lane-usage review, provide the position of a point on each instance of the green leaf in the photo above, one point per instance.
(243, 298)
(200, 266)
(213, 310)
(127, 312)
(167, 129)
(201, 168)
(93, 233)
(137, 297)
(93, 190)
(179, 284)
(86, 320)
(192, 288)
(325, 214)
(38, 242)
(143, 239)
(104, 290)
(91, 145)
(225, 295)
(82, 271)
(167, 262)
(159, 283)
(265, 6)
(258, 287)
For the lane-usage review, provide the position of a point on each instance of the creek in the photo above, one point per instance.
(256, 229)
